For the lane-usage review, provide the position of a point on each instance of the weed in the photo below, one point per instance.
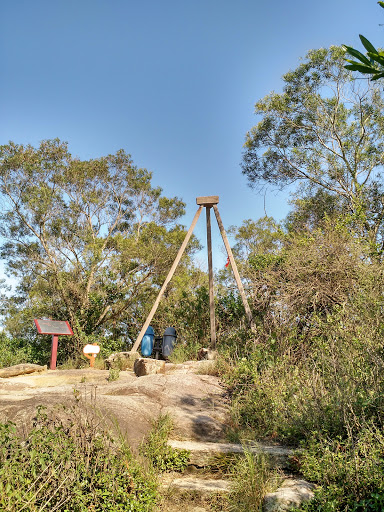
(68, 461)
(208, 368)
(252, 479)
(114, 374)
(157, 451)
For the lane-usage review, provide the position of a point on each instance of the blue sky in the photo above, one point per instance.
(171, 82)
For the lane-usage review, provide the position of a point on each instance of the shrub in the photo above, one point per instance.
(68, 462)
(155, 447)
(349, 471)
(14, 351)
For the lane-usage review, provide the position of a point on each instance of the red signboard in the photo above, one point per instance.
(53, 327)
(56, 328)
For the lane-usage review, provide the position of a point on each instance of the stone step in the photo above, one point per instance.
(291, 493)
(202, 453)
(199, 485)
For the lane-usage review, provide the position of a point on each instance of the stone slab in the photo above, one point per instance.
(203, 452)
(21, 369)
(200, 485)
(291, 493)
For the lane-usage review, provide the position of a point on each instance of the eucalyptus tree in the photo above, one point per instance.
(324, 132)
(87, 240)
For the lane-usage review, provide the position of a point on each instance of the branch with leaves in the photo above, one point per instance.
(372, 63)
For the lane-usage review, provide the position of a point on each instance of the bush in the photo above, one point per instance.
(68, 462)
(155, 447)
(14, 351)
(253, 478)
(348, 471)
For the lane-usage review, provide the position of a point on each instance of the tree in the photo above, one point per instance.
(325, 132)
(88, 240)
(372, 63)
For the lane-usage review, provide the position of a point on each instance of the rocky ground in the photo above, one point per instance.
(196, 401)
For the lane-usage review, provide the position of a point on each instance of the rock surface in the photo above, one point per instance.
(121, 360)
(203, 452)
(202, 485)
(146, 366)
(291, 493)
(21, 369)
(198, 406)
(207, 353)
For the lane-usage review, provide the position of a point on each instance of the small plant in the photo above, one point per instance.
(349, 471)
(155, 448)
(253, 478)
(114, 374)
(68, 461)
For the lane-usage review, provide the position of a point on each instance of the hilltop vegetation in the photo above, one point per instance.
(92, 241)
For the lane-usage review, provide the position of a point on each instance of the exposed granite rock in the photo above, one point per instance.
(122, 360)
(291, 493)
(207, 353)
(146, 366)
(21, 369)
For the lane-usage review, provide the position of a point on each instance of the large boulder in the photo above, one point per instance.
(21, 369)
(121, 360)
(146, 366)
(291, 493)
(197, 403)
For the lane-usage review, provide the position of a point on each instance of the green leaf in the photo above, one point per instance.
(367, 45)
(358, 55)
(377, 76)
(381, 4)
(355, 66)
(377, 57)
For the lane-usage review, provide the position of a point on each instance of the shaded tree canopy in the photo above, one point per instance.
(88, 240)
(325, 132)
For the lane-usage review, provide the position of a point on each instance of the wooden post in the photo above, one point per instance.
(168, 278)
(234, 268)
(210, 274)
(55, 341)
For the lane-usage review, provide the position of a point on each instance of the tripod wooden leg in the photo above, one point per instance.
(210, 275)
(168, 278)
(234, 268)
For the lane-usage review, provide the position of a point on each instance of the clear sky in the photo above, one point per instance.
(173, 82)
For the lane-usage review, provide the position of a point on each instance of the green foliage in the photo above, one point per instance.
(89, 241)
(14, 351)
(66, 462)
(252, 479)
(155, 448)
(349, 471)
(185, 307)
(372, 63)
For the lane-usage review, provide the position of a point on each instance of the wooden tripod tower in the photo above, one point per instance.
(207, 202)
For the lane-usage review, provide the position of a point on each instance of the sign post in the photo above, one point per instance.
(56, 328)
(90, 352)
